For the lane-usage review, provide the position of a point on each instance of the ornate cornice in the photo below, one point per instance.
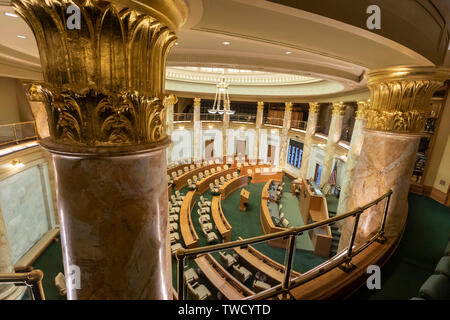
(314, 107)
(401, 97)
(339, 108)
(104, 83)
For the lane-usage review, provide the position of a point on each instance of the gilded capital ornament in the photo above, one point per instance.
(260, 105)
(170, 100)
(288, 106)
(104, 82)
(400, 97)
(339, 108)
(197, 102)
(363, 105)
(314, 107)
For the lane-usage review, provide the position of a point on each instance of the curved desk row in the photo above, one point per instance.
(182, 180)
(203, 185)
(222, 224)
(265, 175)
(188, 233)
(256, 260)
(266, 221)
(220, 278)
(233, 185)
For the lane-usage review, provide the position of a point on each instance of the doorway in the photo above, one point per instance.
(240, 148)
(271, 153)
(209, 149)
(317, 174)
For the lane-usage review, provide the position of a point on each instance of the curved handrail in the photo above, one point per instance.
(342, 259)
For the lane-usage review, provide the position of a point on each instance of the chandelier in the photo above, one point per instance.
(222, 100)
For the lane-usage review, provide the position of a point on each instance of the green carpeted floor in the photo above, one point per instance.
(422, 245)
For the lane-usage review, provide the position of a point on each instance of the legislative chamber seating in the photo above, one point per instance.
(259, 286)
(190, 275)
(241, 273)
(227, 259)
(198, 291)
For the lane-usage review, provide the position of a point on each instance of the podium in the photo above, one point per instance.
(244, 200)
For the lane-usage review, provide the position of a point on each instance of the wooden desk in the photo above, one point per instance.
(296, 184)
(203, 185)
(220, 221)
(181, 181)
(232, 185)
(269, 227)
(188, 233)
(220, 278)
(255, 260)
(265, 176)
(244, 200)
(314, 208)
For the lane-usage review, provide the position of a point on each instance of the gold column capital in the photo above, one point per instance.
(288, 106)
(401, 97)
(339, 108)
(363, 105)
(171, 99)
(197, 102)
(314, 107)
(34, 91)
(260, 104)
(103, 83)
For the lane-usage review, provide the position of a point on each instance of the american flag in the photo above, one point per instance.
(333, 176)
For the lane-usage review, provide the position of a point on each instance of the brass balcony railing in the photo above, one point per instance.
(183, 117)
(273, 121)
(298, 124)
(242, 117)
(32, 280)
(341, 260)
(15, 133)
(213, 117)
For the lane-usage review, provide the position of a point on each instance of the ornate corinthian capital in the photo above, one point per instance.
(314, 107)
(363, 105)
(104, 82)
(401, 97)
(338, 108)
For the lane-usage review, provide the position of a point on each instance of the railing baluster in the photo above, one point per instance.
(348, 266)
(381, 237)
(288, 263)
(180, 280)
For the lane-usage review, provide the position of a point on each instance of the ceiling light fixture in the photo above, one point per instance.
(9, 14)
(221, 100)
(176, 43)
(226, 43)
(288, 52)
(21, 37)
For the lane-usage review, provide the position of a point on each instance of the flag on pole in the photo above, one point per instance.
(333, 176)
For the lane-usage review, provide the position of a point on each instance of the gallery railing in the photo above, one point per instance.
(341, 260)
(211, 117)
(273, 121)
(242, 117)
(183, 117)
(32, 280)
(297, 124)
(14, 133)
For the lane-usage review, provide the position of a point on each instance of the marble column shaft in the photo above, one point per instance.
(197, 131)
(169, 103)
(400, 106)
(352, 158)
(334, 135)
(311, 126)
(225, 128)
(285, 133)
(258, 126)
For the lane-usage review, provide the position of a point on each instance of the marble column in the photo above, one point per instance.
(258, 126)
(103, 92)
(400, 106)
(311, 125)
(169, 102)
(352, 157)
(334, 135)
(197, 131)
(285, 133)
(225, 128)
(7, 291)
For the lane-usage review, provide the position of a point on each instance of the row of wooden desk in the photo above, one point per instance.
(203, 185)
(182, 180)
(188, 233)
(220, 278)
(232, 185)
(222, 224)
